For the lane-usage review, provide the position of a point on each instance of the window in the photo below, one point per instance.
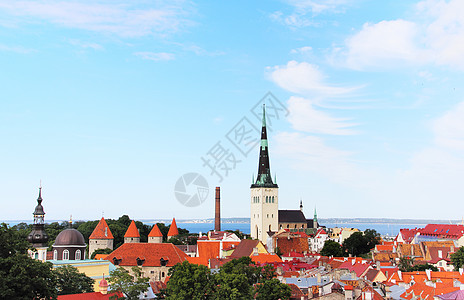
(162, 274)
(65, 255)
(267, 199)
(55, 255)
(272, 199)
(267, 216)
(78, 254)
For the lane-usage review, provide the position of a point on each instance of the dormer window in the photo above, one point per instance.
(163, 262)
(140, 261)
(116, 261)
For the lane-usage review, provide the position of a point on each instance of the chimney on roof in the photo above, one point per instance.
(217, 216)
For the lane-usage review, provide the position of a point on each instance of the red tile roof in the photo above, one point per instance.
(245, 248)
(265, 258)
(101, 231)
(151, 253)
(90, 296)
(132, 231)
(173, 228)
(408, 234)
(451, 231)
(155, 232)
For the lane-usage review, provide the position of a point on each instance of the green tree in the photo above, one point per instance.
(361, 243)
(332, 248)
(406, 263)
(424, 267)
(457, 258)
(189, 281)
(101, 251)
(272, 289)
(71, 281)
(130, 285)
(22, 277)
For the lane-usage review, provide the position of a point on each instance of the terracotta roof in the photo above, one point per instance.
(155, 232)
(157, 286)
(372, 274)
(451, 231)
(291, 216)
(245, 248)
(408, 234)
(100, 256)
(173, 228)
(296, 291)
(426, 292)
(102, 231)
(265, 258)
(132, 231)
(151, 253)
(89, 296)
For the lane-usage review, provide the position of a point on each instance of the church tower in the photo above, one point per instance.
(264, 213)
(38, 237)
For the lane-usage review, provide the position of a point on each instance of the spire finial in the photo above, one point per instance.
(264, 115)
(301, 204)
(39, 199)
(70, 221)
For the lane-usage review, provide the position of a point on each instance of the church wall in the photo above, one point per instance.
(263, 215)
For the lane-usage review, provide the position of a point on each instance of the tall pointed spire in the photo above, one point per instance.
(315, 214)
(264, 170)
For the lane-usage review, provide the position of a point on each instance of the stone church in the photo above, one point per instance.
(265, 216)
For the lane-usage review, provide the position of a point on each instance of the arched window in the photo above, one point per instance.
(267, 200)
(267, 216)
(55, 255)
(65, 255)
(269, 227)
(162, 274)
(288, 225)
(295, 226)
(272, 199)
(78, 254)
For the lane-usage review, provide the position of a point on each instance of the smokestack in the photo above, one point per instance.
(217, 217)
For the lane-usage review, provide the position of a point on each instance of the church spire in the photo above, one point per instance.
(264, 170)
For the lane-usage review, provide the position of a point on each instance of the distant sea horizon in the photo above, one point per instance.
(384, 226)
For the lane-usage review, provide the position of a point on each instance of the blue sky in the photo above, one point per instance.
(110, 102)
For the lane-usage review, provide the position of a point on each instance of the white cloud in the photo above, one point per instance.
(435, 37)
(17, 49)
(449, 129)
(316, 6)
(305, 10)
(310, 153)
(304, 117)
(123, 18)
(304, 79)
(384, 44)
(85, 45)
(155, 56)
(301, 50)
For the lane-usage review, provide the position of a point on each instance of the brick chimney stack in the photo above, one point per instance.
(217, 217)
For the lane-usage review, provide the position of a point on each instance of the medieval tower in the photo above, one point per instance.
(264, 212)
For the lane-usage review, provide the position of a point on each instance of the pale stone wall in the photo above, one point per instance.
(95, 244)
(155, 239)
(154, 273)
(264, 216)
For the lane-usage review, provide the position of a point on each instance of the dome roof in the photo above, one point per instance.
(70, 236)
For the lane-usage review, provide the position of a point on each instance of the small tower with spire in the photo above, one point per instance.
(315, 224)
(173, 231)
(38, 237)
(264, 212)
(155, 235)
(301, 205)
(132, 234)
(101, 237)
